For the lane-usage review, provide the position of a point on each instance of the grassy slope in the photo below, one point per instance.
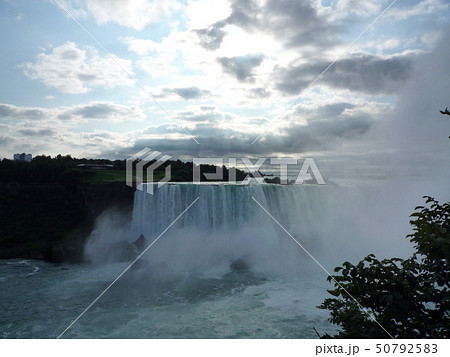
(101, 176)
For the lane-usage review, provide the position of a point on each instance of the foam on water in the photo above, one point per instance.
(232, 305)
(187, 288)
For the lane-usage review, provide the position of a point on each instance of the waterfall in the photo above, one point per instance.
(226, 224)
(223, 206)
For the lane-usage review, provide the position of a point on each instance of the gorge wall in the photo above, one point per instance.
(51, 221)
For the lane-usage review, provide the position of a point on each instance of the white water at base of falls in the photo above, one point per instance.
(226, 223)
(231, 305)
(186, 288)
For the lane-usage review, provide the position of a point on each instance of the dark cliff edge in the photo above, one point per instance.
(51, 221)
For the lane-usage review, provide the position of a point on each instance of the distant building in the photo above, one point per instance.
(23, 157)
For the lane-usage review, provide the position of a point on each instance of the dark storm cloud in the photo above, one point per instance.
(294, 23)
(366, 73)
(241, 67)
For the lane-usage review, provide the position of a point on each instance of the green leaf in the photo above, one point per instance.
(334, 292)
(416, 214)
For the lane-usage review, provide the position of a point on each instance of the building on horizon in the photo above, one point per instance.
(23, 157)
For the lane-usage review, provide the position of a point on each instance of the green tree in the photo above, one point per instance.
(409, 298)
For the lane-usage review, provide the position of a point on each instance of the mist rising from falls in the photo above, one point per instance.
(226, 224)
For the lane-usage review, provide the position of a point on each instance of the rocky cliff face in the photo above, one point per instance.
(52, 221)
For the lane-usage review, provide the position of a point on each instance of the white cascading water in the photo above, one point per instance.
(226, 224)
(224, 206)
(332, 223)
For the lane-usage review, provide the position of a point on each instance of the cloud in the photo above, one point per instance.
(136, 14)
(191, 92)
(104, 111)
(409, 141)
(333, 110)
(346, 8)
(141, 46)
(425, 7)
(299, 24)
(4, 140)
(211, 38)
(321, 134)
(258, 93)
(156, 67)
(200, 115)
(156, 58)
(365, 73)
(295, 23)
(35, 132)
(174, 93)
(53, 130)
(221, 142)
(73, 70)
(223, 134)
(91, 111)
(241, 67)
(9, 111)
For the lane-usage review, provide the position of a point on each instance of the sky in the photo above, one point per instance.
(230, 78)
